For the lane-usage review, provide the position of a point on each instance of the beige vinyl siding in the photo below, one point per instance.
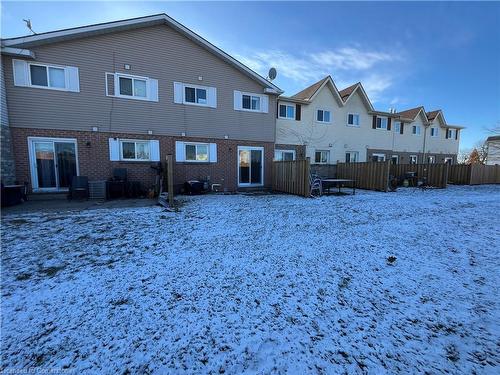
(157, 52)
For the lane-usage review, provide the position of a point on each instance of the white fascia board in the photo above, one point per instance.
(18, 52)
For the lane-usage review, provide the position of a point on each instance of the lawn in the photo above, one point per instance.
(377, 282)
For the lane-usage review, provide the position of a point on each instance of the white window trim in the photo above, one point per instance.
(382, 127)
(431, 157)
(32, 159)
(255, 95)
(48, 80)
(378, 155)
(324, 110)
(189, 85)
(353, 125)
(121, 141)
(197, 144)
(416, 159)
(117, 86)
(417, 133)
(397, 158)
(452, 134)
(448, 159)
(353, 153)
(327, 157)
(436, 132)
(262, 161)
(287, 105)
(398, 131)
(282, 151)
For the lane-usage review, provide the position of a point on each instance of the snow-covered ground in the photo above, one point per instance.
(402, 282)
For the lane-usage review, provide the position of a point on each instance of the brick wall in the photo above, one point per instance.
(93, 157)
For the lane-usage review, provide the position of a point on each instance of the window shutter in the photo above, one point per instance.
(110, 84)
(446, 133)
(298, 108)
(389, 121)
(264, 107)
(374, 123)
(212, 97)
(456, 134)
(178, 94)
(20, 68)
(154, 149)
(213, 153)
(277, 109)
(237, 100)
(401, 128)
(180, 151)
(153, 90)
(114, 149)
(72, 78)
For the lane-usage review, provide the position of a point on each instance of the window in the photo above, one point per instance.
(381, 122)
(195, 95)
(280, 155)
(431, 159)
(197, 152)
(397, 126)
(413, 159)
(321, 157)
(287, 111)
(448, 160)
(415, 130)
(351, 156)
(451, 133)
(250, 102)
(394, 159)
(132, 87)
(378, 157)
(47, 76)
(134, 150)
(353, 119)
(322, 115)
(434, 132)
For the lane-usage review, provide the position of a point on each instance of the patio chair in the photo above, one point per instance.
(315, 185)
(79, 188)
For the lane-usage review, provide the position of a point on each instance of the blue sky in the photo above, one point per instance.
(437, 54)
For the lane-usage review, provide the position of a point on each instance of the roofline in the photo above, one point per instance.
(382, 113)
(18, 52)
(360, 85)
(328, 79)
(293, 100)
(31, 40)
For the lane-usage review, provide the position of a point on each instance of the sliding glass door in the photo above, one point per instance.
(53, 163)
(250, 166)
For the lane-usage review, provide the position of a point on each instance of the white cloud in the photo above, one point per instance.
(346, 65)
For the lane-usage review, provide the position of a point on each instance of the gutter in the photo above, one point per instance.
(18, 52)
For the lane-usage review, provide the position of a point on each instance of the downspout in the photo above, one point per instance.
(425, 138)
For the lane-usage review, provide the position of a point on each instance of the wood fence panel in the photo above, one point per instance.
(484, 174)
(436, 174)
(459, 174)
(291, 176)
(369, 175)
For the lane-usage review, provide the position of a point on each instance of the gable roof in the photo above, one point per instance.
(309, 93)
(346, 93)
(493, 138)
(412, 113)
(29, 41)
(433, 114)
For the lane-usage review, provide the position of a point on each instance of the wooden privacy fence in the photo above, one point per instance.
(474, 174)
(436, 174)
(369, 175)
(292, 177)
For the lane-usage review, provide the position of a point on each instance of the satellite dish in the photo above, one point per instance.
(272, 74)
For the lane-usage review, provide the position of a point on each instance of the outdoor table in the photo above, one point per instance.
(338, 182)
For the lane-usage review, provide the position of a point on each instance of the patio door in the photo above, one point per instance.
(250, 166)
(53, 163)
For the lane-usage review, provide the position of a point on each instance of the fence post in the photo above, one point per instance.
(307, 171)
(387, 174)
(170, 180)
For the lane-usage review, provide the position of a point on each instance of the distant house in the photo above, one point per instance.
(493, 150)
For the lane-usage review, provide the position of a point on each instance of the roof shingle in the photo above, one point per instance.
(345, 93)
(309, 92)
(410, 113)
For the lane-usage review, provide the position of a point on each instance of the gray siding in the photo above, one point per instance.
(157, 52)
(7, 169)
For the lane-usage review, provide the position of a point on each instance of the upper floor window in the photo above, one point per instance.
(280, 155)
(378, 157)
(381, 122)
(353, 119)
(321, 157)
(135, 150)
(415, 130)
(431, 159)
(397, 126)
(451, 133)
(323, 116)
(434, 132)
(131, 87)
(245, 101)
(413, 159)
(46, 76)
(186, 93)
(287, 111)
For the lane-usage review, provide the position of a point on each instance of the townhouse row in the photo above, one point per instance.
(124, 94)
